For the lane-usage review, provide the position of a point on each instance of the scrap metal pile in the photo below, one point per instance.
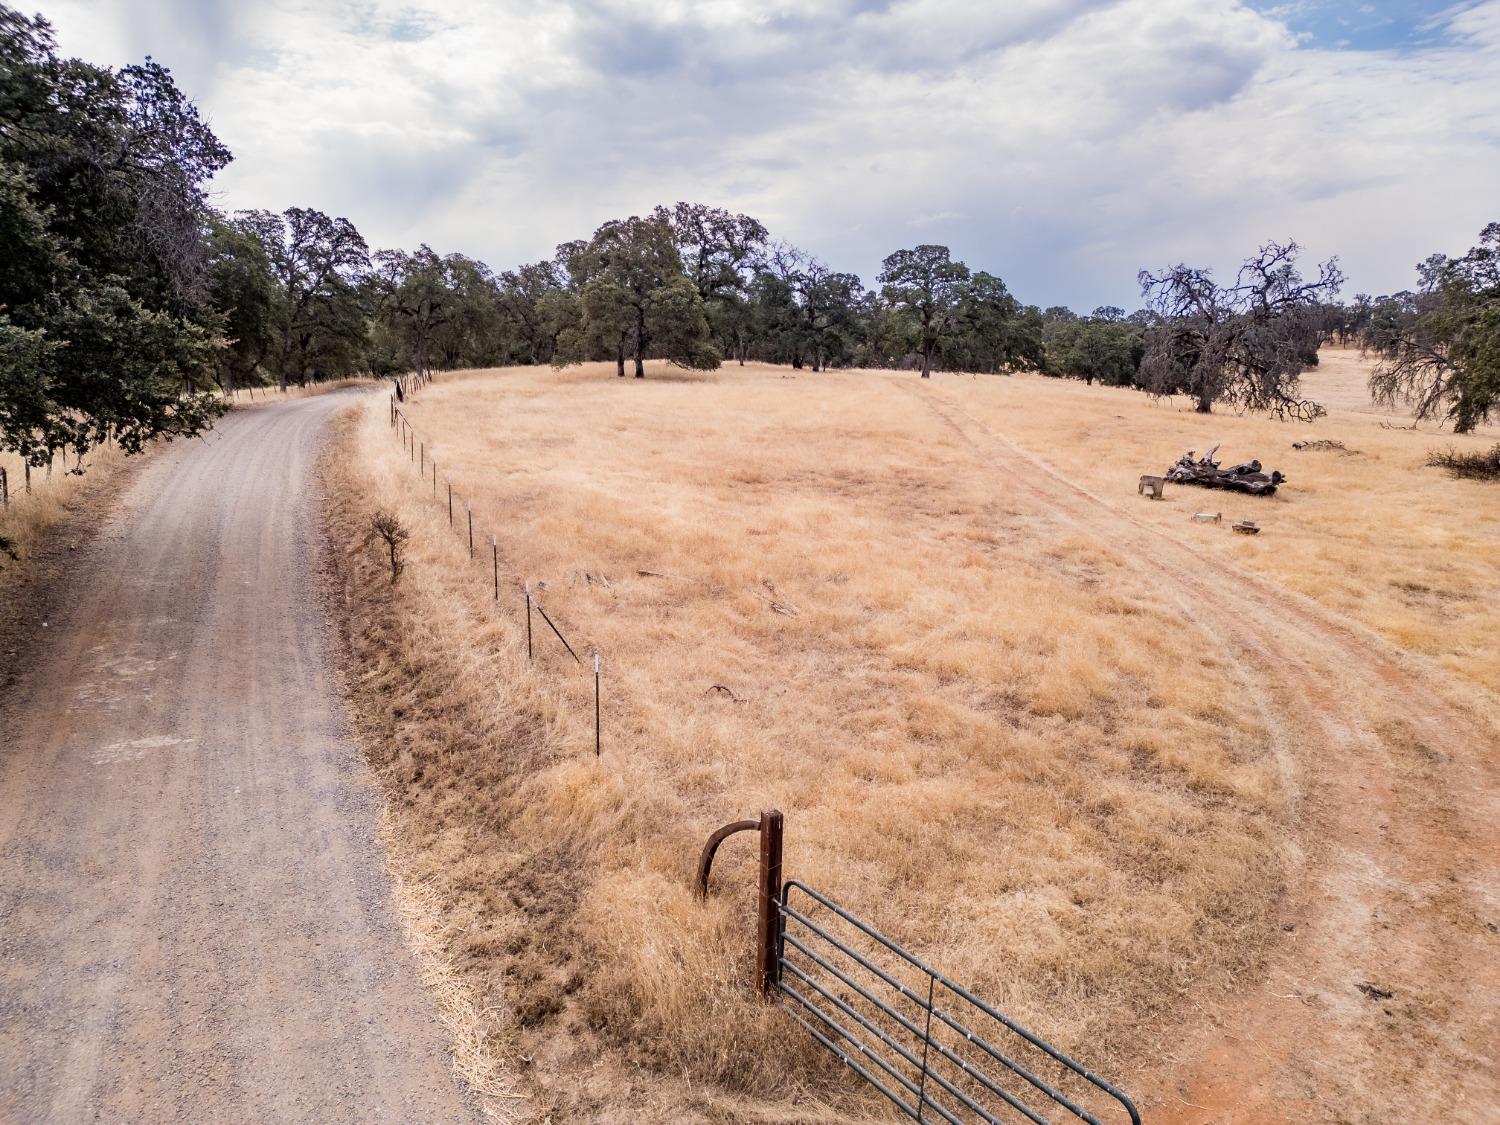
(1205, 471)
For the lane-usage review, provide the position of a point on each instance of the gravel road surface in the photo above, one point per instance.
(195, 915)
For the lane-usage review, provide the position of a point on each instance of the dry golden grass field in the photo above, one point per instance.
(1185, 802)
(26, 520)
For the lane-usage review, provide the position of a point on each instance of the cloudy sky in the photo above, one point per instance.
(1062, 144)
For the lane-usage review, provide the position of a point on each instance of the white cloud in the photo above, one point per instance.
(1060, 143)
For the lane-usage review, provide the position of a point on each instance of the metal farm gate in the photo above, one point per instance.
(938, 1052)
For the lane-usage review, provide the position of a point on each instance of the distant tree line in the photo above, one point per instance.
(127, 301)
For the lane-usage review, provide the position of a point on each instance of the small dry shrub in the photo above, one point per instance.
(1483, 464)
(386, 527)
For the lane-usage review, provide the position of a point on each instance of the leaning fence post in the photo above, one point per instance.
(450, 503)
(768, 930)
(596, 703)
(469, 504)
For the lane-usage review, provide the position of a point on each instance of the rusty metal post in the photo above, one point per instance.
(470, 505)
(450, 503)
(528, 621)
(711, 848)
(596, 703)
(495, 556)
(768, 899)
(768, 928)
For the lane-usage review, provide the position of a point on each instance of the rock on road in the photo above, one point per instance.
(196, 920)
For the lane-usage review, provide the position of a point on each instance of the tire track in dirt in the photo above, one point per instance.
(1397, 830)
(198, 923)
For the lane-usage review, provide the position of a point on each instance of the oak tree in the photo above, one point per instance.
(1244, 344)
(930, 286)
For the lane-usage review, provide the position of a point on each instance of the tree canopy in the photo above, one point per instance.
(104, 251)
(929, 286)
(636, 298)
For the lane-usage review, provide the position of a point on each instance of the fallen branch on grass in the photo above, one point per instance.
(1205, 472)
(775, 602)
(1319, 444)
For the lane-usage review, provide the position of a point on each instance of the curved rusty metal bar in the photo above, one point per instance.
(706, 860)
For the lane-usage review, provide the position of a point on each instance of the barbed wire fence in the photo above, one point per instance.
(416, 443)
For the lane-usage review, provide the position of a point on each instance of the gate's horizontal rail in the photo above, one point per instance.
(912, 1028)
(843, 1056)
(933, 1050)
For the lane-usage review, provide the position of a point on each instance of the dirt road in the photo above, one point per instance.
(197, 923)
(1379, 1003)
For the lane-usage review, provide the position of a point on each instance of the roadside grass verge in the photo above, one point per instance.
(31, 516)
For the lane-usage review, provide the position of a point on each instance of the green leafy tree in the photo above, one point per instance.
(720, 252)
(717, 248)
(103, 251)
(802, 311)
(321, 265)
(1439, 348)
(537, 305)
(1103, 348)
(474, 335)
(243, 292)
(829, 304)
(627, 262)
(992, 331)
(416, 299)
(776, 320)
(607, 317)
(930, 287)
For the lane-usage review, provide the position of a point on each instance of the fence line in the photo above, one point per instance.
(414, 442)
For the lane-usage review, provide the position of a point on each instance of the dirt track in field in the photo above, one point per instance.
(197, 917)
(1381, 1001)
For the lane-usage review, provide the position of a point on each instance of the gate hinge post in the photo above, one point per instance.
(768, 930)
